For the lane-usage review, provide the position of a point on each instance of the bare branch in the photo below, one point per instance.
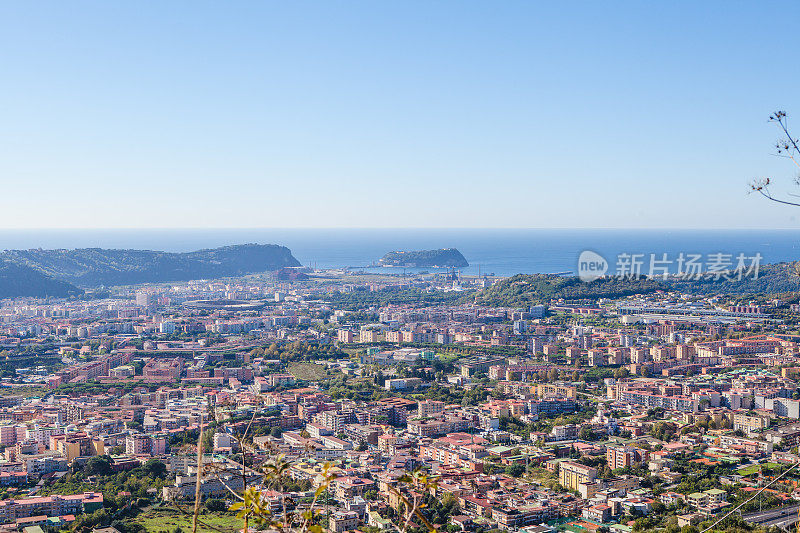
(766, 194)
(786, 147)
(198, 477)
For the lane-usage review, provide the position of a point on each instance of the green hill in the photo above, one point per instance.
(523, 290)
(23, 281)
(772, 279)
(530, 289)
(91, 267)
(445, 257)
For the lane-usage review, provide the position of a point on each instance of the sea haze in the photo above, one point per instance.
(500, 251)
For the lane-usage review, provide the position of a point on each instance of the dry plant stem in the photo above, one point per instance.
(198, 477)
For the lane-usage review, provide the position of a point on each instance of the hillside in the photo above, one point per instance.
(524, 290)
(772, 279)
(362, 298)
(19, 281)
(91, 267)
(445, 257)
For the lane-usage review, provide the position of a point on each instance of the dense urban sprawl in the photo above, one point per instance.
(652, 411)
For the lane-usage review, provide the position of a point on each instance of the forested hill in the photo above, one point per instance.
(445, 257)
(91, 267)
(523, 290)
(772, 279)
(19, 280)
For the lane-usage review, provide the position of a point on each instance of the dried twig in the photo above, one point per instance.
(198, 477)
(786, 147)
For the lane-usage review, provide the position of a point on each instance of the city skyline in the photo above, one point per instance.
(414, 115)
(399, 267)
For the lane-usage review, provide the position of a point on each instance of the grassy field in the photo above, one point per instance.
(307, 371)
(25, 390)
(755, 468)
(450, 357)
(165, 520)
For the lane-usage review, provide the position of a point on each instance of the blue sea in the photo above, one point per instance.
(500, 252)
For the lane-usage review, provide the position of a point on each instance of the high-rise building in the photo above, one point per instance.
(571, 474)
(145, 298)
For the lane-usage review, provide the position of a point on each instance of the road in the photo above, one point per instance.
(784, 522)
(781, 517)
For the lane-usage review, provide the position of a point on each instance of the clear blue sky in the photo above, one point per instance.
(393, 114)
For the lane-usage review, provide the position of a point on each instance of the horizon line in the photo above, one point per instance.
(383, 228)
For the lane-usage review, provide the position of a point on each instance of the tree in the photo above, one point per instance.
(515, 470)
(98, 466)
(450, 504)
(216, 506)
(101, 517)
(490, 468)
(208, 439)
(786, 147)
(663, 430)
(155, 468)
(126, 526)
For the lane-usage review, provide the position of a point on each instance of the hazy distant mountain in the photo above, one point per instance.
(445, 257)
(19, 280)
(91, 267)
